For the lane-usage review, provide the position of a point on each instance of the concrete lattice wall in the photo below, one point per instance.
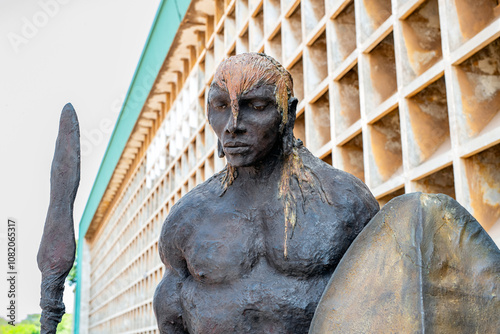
(404, 94)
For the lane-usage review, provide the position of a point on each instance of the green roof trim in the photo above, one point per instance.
(165, 25)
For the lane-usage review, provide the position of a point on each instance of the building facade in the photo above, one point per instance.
(404, 94)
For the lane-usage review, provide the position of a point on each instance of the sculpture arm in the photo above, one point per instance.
(167, 302)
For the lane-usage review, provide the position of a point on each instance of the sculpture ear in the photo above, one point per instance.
(288, 138)
(220, 151)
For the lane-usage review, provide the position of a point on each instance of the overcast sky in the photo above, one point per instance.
(53, 52)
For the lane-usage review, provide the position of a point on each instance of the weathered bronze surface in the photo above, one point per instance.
(423, 264)
(251, 249)
(57, 248)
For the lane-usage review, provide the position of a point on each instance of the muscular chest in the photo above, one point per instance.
(231, 239)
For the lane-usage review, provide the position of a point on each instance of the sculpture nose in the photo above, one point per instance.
(234, 124)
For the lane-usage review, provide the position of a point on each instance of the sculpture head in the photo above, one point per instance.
(251, 108)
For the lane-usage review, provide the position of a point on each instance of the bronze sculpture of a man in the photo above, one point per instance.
(251, 249)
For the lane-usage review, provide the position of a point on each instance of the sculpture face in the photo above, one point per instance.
(248, 107)
(253, 133)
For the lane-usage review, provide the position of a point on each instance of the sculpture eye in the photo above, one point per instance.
(258, 106)
(220, 106)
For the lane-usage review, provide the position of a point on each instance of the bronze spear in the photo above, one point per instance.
(57, 248)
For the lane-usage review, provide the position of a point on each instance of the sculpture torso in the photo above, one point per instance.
(230, 251)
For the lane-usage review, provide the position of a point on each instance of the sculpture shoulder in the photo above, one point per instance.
(196, 201)
(184, 215)
(342, 188)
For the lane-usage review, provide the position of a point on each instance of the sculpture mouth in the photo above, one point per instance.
(236, 144)
(236, 148)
